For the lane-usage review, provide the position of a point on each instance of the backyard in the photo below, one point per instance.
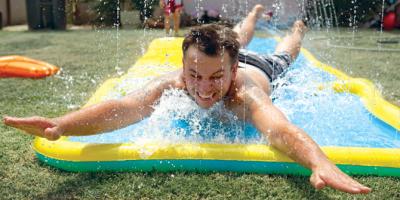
(88, 58)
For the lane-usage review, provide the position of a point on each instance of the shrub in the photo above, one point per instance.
(145, 7)
(106, 13)
(348, 12)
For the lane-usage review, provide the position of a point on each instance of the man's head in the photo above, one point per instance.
(210, 58)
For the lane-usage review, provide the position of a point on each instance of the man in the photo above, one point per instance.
(172, 9)
(212, 73)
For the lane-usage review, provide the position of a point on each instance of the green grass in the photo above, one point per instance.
(87, 59)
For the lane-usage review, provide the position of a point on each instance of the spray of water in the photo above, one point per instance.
(117, 24)
(381, 24)
(186, 122)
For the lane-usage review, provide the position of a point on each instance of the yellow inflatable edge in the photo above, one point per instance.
(77, 151)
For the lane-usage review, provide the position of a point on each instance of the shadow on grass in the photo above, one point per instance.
(72, 188)
(75, 185)
(192, 185)
(87, 184)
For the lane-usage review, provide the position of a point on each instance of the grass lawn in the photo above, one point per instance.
(88, 58)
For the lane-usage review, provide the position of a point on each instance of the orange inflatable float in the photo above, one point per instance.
(19, 66)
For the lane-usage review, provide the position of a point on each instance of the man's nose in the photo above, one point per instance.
(204, 85)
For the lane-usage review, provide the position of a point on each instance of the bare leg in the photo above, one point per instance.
(177, 20)
(166, 23)
(292, 42)
(245, 28)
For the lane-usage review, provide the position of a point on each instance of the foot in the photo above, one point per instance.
(267, 15)
(258, 10)
(299, 27)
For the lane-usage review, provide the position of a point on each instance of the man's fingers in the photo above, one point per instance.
(347, 184)
(317, 182)
(332, 176)
(345, 187)
(30, 121)
(363, 189)
(9, 121)
(36, 121)
(13, 122)
(38, 126)
(347, 179)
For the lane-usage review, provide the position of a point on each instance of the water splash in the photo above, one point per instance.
(186, 122)
(117, 25)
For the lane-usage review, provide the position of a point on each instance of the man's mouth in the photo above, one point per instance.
(205, 97)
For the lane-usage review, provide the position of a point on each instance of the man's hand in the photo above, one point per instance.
(328, 174)
(39, 126)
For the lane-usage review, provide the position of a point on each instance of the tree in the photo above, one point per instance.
(107, 12)
(145, 7)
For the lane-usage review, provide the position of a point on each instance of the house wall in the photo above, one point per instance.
(17, 10)
(3, 10)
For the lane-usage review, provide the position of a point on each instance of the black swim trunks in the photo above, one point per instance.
(272, 65)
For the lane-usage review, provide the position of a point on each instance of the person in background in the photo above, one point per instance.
(172, 9)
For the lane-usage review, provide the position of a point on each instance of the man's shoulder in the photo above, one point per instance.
(171, 80)
(237, 90)
(240, 96)
(245, 86)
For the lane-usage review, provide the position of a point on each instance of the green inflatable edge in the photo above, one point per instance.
(196, 165)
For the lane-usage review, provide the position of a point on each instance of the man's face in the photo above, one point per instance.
(207, 78)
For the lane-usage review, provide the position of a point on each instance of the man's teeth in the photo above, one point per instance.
(205, 96)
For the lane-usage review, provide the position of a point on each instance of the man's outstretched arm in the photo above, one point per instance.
(295, 143)
(102, 117)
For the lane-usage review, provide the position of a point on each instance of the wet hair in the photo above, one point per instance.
(211, 39)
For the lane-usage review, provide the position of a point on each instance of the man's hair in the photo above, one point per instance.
(212, 39)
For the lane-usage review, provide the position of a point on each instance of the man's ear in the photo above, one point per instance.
(234, 69)
(183, 62)
(183, 69)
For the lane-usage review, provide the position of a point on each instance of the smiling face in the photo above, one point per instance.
(207, 78)
(210, 58)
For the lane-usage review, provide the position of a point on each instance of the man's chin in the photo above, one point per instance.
(205, 105)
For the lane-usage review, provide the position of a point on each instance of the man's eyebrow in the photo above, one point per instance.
(221, 70)
(192, 70)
